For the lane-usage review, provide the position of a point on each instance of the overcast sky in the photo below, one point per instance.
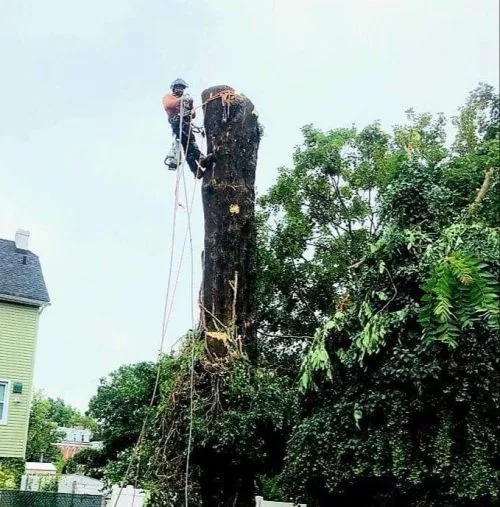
(83, 134)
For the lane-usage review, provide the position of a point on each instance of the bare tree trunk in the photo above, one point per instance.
(229, 267)
(229, 272)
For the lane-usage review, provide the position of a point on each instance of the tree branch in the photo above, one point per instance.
(335, 182)
(483, 190)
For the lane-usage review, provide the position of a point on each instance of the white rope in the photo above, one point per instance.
(169, 297)
(191, 381)
(166, 313)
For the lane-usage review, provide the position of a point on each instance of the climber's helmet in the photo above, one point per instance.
(178, 86)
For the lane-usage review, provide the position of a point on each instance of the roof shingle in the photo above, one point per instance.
(21, 274)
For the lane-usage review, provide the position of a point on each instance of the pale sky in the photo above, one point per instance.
(83, 134)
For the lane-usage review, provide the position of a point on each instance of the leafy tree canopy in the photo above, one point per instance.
(42, 432)
(400, 384)
(377, 381)
(67, 416)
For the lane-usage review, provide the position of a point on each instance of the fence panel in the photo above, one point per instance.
(10, 498)
(260, 502)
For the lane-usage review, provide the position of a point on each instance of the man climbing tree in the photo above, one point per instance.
(179, 108)
(186, 464)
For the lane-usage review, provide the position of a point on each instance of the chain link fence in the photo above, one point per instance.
(45, 499)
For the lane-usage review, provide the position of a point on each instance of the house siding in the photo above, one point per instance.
(18, 328)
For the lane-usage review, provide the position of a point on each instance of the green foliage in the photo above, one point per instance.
(240, 418)
(317, 358)
(42, 432)
(67, 416)
(49, 484)
(401, 410)
(478, 122)
(270, 489)
(316, 221)
(11, 471)
(121, 404)
(46, 415)
(88, 461)
(378, 379)
(459, 293)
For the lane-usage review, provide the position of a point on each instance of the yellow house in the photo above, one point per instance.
(23, 296)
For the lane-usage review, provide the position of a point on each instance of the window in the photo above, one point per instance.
(4, 401)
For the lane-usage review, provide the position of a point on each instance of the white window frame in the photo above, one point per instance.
(5, 415)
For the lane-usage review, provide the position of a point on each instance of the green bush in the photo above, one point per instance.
(11, 471)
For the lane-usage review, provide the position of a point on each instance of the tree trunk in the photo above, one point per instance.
(228, 191)
(229, 265)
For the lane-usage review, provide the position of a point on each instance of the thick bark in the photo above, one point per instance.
(229, 266)
(226, 486)
(229, 272)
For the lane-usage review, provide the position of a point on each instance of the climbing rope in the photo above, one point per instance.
(191, 380)
(226, 96)
(167, 311)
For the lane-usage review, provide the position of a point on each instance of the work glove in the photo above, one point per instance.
(187, 103)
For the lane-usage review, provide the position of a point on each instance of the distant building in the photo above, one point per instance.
(23, 296)
(74, 440)
(76, 435)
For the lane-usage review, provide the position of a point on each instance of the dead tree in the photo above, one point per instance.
(229, 269)
(229, 272)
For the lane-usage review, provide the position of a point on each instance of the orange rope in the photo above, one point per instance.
(225, 95)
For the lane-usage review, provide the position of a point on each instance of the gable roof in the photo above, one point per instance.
(21, 277)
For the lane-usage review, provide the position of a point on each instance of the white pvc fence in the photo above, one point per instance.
(80, 485)
(129, 497)
(35, 482)
(260, 502)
